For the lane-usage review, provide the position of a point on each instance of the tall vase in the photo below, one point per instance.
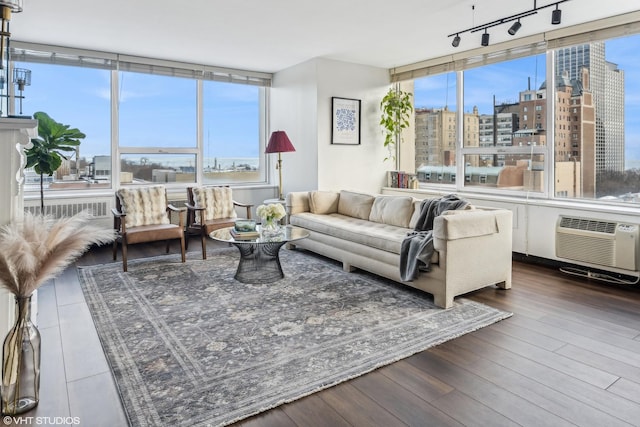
(21, 362)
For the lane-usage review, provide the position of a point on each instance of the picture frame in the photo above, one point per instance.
(345, 121)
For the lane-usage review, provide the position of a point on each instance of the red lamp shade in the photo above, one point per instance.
(279, 143)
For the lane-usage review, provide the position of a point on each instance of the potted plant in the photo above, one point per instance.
(45, 156)
(396, 107)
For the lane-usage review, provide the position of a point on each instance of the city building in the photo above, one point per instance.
(607, 85)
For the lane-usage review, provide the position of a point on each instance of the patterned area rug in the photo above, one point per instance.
(190, 346)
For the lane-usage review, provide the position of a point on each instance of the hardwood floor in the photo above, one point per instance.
(570, 355)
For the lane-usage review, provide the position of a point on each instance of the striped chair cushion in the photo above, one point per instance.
(217, 201)
(144, 205)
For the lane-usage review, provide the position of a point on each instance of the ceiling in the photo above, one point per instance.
(272, 35)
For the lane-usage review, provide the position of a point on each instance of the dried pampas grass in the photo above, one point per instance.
(37, 248)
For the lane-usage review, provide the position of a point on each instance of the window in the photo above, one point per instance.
(156, 111)
(231, 137)
(605, 161)
(594, 129)
(434, 100)
(78, 97)
(507, 162)
(151, 120)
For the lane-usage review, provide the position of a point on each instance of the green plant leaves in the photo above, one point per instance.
(396, 107)
(46, 153)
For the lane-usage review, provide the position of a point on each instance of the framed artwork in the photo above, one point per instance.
(345, 121)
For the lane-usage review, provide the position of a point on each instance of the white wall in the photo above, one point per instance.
(301, 105)
(293, 109)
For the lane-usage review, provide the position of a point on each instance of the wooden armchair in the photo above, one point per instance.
(211, 208)
(144, 215)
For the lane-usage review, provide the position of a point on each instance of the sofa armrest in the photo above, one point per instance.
(297, 202)
(462, 224)
(465, 224)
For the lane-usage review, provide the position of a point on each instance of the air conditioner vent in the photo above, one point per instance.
(588, 224)
(593, 241)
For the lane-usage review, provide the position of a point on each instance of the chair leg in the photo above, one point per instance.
(124, 255)
(115, 249)
(203, 238)
(182, 247)
(168, 243)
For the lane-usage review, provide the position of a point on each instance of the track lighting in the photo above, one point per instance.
(515, 27)
(485, 38)
(556, 18)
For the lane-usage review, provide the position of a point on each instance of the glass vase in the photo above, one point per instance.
(21, 362)
(270, 227)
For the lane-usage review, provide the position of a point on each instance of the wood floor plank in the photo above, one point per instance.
(604, 363)
(591, 331)
(312, 411)
(503, 402)
(627, 389)
(630, 357)
(580, 371)
(357, 408)
(591, 395)
(406, 406)
(274, 418)
(416, 381)
(470, 412)
(539, 394)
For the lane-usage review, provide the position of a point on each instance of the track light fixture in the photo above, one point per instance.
(485, 38)
(515, 27)
(556, 18)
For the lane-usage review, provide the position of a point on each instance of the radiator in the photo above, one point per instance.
(600, 242)
(98, 209)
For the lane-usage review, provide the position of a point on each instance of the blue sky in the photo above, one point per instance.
(154, 110)
(505, 80)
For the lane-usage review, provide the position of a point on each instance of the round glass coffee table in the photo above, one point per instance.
(260, 256)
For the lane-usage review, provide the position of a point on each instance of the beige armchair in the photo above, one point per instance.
(210, 208)
(144, 215)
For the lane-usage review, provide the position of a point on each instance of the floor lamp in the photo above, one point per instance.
(279, 143)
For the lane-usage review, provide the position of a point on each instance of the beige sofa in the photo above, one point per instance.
(472, 246)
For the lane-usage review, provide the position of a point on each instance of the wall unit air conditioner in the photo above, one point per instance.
(600, 242)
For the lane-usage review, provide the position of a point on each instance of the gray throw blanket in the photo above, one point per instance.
(417, 247)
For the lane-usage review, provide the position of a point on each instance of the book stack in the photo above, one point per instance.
(400, 179)
(244, 235)
(244, 229)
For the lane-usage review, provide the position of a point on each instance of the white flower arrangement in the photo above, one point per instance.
(270, 212)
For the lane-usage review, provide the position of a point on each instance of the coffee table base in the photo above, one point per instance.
(259, 263)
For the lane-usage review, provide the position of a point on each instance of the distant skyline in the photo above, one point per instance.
(513, 77)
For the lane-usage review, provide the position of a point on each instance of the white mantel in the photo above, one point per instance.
(15, 136)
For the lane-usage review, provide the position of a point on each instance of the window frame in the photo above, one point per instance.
(26, 52)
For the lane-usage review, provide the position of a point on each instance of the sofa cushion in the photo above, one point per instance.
(416, 213)
(144, 205)
(323, 202)
(377, 235)
(357, 205)
(392, 210)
